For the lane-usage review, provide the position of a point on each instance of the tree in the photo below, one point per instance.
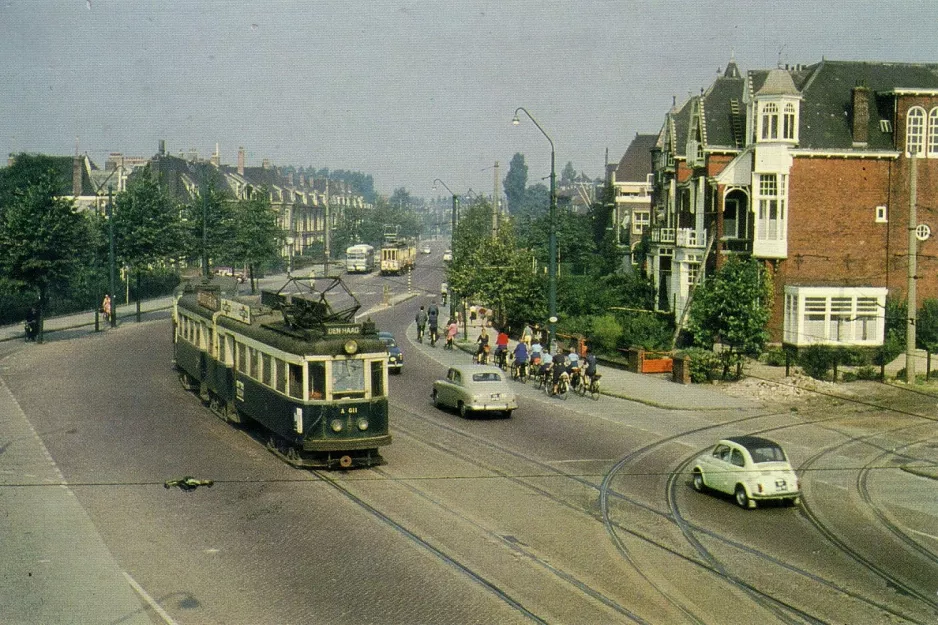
(44, 241)
(257, 233)
(209, 225)
(733, 307)
(516, 181)
(147, 231)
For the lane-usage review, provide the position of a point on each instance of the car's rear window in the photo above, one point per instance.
(768, 453)
(488, 376)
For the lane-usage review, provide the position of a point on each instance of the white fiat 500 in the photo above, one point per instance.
(750, 468)
(471, 388)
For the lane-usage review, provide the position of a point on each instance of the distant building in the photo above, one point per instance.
(807, 169)
(632, 180)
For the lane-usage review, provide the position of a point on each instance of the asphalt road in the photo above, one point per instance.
(569, 512)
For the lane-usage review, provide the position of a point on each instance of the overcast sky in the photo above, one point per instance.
(406, 91)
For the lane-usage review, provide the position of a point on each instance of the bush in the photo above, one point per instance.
(773, 357)
(606, 333)
(817, 360)
(868, 372)
(704, 365)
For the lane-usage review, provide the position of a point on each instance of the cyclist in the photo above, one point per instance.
(501, 348)
(521, 360)
(483, 352)
(558, 369)
(433, 320)
(536, 351)
(421, 320)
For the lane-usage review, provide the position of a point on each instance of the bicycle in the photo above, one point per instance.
(562, 386)
(501, 359)
(482, 356)
(542, 378)
(420, 332)
(434, 336)
(594, 386)
(519, 372)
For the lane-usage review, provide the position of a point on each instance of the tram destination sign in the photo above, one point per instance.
(336, 329)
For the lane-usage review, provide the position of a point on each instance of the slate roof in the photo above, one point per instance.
(717, 126)
(635, 164)
(826, 88)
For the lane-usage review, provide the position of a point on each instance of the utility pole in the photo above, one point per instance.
(496, 205)
(111, 262)
(913, 262)
(327, 232)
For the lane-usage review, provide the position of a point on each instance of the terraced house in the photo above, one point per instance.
(812, 170)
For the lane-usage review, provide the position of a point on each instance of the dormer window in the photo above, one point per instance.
(769, 121)
(788, 128)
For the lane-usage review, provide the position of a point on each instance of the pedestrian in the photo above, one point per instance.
(421, 320)
(451, 331)
(433, 320)
(106, 307)
(32, 323)
(527, 334)
(473, 314)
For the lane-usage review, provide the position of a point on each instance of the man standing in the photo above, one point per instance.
(421, 320)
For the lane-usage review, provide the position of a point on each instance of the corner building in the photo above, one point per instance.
(809, 170)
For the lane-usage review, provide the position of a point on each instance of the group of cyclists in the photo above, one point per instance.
(557, 373)
(429, 320)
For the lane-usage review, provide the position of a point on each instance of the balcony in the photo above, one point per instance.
(681, 237)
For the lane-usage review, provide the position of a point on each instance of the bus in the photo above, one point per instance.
(360, 259)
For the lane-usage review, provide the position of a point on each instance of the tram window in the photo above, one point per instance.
(265, 369)
(317, 380)
(296, 381)
(253, 356)
(211, 340)
(281, 375)
(348, 378)
(222, 355)
(377, 378)
(242, 358)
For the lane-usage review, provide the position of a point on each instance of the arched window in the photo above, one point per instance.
(933, 132)
(770, 121)
(915, 130)
(788, 125)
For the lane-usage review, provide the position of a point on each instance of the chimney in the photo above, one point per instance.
(162, 150)
(265, 163)
(241, 161)
(216, 157)
(861, 116)
(76, 176)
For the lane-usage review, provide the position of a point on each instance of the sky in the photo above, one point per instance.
(407, 91)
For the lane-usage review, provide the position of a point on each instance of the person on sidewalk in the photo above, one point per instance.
(421, 320)
(451, 331)
(32, 324)
(106, 307)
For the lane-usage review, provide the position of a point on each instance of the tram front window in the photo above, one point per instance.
(317, 380)
(348, 378)
(377, 377)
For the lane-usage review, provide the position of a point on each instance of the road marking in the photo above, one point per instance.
(924, 534)
(150, 600)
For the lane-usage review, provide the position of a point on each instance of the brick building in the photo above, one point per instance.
(807, 168)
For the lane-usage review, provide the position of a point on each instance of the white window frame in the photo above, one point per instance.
(769, 122)
(882, 214)
(772, 205)
(915, 131)
(790, 122)
(931, 147)
(834, 316)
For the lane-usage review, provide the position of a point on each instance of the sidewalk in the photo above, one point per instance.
(646, 389)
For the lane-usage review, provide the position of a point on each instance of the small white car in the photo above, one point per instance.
(475, 388)
(750, 468)
(447, 256)
(425, 249)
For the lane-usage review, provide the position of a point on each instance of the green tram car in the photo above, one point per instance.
(295, 362)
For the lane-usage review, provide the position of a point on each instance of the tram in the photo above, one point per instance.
(293, 361)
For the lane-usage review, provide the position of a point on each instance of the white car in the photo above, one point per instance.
(471, 388)
(425, 249)
(447, 256)
(750, 468)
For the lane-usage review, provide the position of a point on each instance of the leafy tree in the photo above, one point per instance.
(926, 330)
(44, 241)
(147, 231)
(209, 220)
(733, 307)
(257, 233)
(515, 183)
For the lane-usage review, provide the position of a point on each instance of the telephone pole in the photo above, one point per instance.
(913, 262)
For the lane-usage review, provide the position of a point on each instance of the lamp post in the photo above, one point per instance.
(552, 225)
(112, 280)
(453, 299)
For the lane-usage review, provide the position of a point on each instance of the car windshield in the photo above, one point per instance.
(488, 376)
(389, 342)
(767, 453)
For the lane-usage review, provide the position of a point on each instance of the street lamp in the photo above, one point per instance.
(552, 225)
(453, 299)
(290, 241)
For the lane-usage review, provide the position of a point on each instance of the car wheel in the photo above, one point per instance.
(507, 414)
(742, 499)
(698, 481)
(794, 501)
(436, 399)
(464, 410)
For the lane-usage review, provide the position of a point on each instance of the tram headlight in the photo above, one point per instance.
(363, 424)
(337, 425)
(351, 347)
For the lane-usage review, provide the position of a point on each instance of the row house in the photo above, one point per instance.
(811, 170)
(632, 180)
(304, 205)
